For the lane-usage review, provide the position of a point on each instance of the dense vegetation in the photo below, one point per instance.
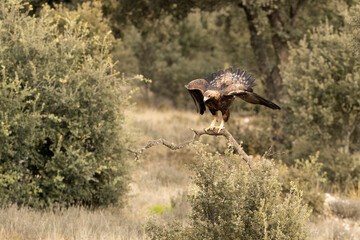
(232, 201)
(322, 96)
(60, 111)
(62, 104)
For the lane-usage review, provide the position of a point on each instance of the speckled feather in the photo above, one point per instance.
(221, 88)
(223, 79)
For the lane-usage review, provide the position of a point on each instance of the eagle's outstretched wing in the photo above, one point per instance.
(224, 79)
(240, 84)
(228, 83)
(196, 89)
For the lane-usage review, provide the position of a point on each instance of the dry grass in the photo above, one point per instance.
(341, 220)
(160, 179)
(73, 223)
(345, 208)
(160, 174)
(158, 190)
(333, 228)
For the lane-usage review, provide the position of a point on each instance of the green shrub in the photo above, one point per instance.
(322, 102)
(309, 177)
(231, 201)
(352, 20)
(61, 111)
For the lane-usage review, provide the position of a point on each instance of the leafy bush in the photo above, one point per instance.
(61, 111)
(352, 20)
(308, 175)
(322, 89)
(231, 201)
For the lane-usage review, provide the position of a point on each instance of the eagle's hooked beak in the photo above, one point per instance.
(206, 98)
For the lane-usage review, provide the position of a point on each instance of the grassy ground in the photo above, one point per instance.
(158, 190)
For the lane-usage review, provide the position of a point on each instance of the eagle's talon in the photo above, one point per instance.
(209, 128)
(220, 128)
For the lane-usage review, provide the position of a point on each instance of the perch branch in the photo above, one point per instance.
(197, 134)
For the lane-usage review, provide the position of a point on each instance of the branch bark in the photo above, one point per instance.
(197, 134)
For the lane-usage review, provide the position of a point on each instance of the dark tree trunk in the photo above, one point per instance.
(260, 46)
(264, 50)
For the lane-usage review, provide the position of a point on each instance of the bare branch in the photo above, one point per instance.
(197, 134)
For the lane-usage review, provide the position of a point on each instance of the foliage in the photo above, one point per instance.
(252, 130)
(352, 20)
(231, 201)
(38, 4)
(308, 175)
(61, 111)
(173, 58)
(209, 35)
(263, 26)
(321, 81)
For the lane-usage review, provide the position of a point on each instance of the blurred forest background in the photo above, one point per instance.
(82, 81)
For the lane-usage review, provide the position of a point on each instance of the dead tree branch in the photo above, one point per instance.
(197, 134)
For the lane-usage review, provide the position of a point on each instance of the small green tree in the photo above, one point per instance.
(61, 110)
(232, 201)
(322, 104)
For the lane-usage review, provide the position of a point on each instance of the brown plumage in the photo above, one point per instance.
(218, 92)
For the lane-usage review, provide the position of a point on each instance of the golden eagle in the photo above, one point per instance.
(218, 92)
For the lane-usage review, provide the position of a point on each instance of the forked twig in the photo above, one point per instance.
(197, 134)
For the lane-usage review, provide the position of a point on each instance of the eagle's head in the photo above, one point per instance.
(211, 94)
